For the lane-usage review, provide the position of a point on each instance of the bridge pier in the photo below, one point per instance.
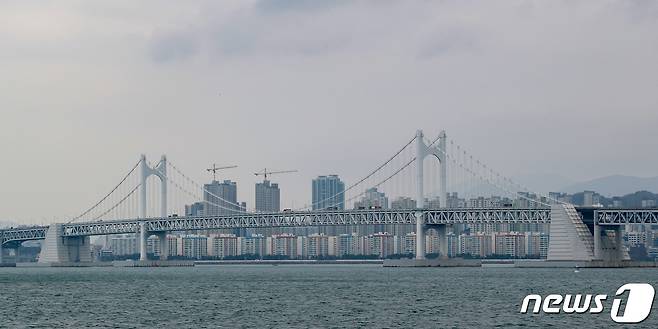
(420, 236)
(142, 241)
(619, 243)
(607, 248)
(59, 249)
(441, 230)
(570, 239)
(597, 241)
(164, 250)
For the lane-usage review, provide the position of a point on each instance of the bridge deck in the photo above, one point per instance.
(290, 219)
(23, 234)
(317, 218)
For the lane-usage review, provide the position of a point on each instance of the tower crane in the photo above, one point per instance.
(214, 170)
(266, 173)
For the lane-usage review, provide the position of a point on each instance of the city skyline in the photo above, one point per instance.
(206, 206)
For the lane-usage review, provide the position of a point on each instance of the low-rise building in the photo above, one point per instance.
(318, 246)
(282, 245)
(195, 246)
(223, 245)
(253, 244)
(123, 245)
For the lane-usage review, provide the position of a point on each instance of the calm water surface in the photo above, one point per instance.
(300, 296)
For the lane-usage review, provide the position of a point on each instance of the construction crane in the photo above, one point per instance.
(214, 170)
(266, 173)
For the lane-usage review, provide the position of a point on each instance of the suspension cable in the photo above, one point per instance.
(468, 170)
(107, 195)
(523, 188)
(118, 203)
(202, 186)
(196, 196)
(363, 179)
(385, 180)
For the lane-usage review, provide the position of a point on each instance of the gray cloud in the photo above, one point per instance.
(555, 87)
(248, 33)
(287, 6)
(166, 47)
(449, 41)
(640, 9)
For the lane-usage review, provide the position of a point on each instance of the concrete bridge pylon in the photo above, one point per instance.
(423, 150)
(160, 171)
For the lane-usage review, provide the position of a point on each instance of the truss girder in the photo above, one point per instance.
(292, 219)
(502, 215)
(313, 218)
(626, 216)
(23, 234)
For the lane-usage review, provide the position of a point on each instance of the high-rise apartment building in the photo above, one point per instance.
(195, 209)
(318, 245)
(268, 197)
(253, 244)
(221, 198)
(372, 199)
(380, 244)
(347, 244)
(282, 245)
(223, 245)
(403, 202)
(328, 193)
(195, 246)
(124, 245)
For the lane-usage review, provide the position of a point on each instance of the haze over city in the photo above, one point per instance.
(533, 88)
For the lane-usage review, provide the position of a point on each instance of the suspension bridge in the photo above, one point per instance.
(135, 205)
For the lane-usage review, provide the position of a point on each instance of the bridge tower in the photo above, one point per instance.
(423, 150)
(160, 171)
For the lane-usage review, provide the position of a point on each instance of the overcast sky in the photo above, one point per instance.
(565, 88)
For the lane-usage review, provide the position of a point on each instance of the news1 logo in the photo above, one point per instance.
(637, 305)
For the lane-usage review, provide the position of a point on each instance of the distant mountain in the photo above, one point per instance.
(633, 200)
(615, 185)
(544, 183)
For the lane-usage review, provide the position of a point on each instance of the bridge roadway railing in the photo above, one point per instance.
(312, 218)
(487, 215)
(626, 216)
